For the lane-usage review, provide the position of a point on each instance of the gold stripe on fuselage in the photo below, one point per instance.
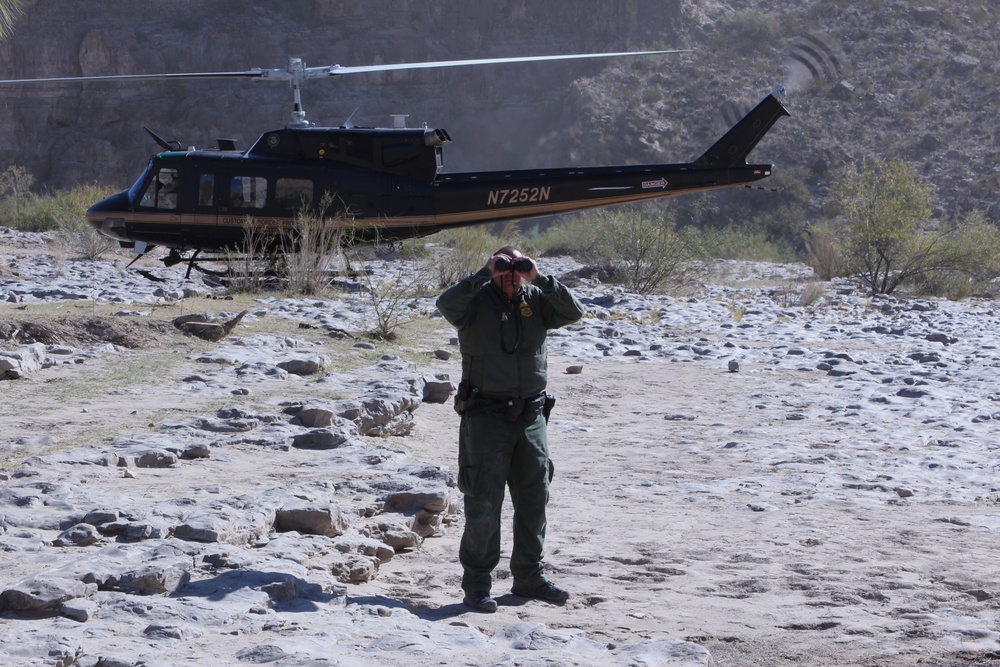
(494, 213)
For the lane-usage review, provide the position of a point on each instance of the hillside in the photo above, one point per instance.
(864, 79)
(891, 81)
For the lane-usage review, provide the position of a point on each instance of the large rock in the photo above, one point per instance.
(149, 580)
(80, 535)
(22, 361)
(320, 438)
(314, 519)
(43, 595)
(226, 524)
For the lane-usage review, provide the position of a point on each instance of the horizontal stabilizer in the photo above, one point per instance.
(732, 149)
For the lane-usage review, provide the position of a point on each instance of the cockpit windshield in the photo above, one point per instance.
(136, 190)
(156, 188)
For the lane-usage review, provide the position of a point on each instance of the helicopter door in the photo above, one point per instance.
(206, 215)
(159, 206)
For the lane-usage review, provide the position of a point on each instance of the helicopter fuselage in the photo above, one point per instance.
(385, 184)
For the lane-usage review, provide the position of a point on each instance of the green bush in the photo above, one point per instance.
(887, 240)
(641, 251)
(63, 211)
(749, 242)
(571, 236)
(975, 245)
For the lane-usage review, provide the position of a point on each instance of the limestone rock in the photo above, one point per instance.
(226, 524)
(149, 580)
(43, 595)
(307, 366)
(437, 388)
(314, 519)
(22, 361)
(80, 535)
(316, 416)
(356, 569)
(320, 438)
(411, 501)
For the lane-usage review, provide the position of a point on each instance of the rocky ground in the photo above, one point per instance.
(768, 470)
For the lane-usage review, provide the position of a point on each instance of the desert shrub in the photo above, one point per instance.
(389, 293)
(811, 293)
(77, 237)
(573, 236)
(313, 251)
(644, 252)
(885, 205)
(750, 243)
(389, 284)
(63, 211)
(252, 261)
(822, 251)
(15, 184)
(887, 240)
(973, 245)
(779, 214)
(8, 13)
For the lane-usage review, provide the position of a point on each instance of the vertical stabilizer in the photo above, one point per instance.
(732, 149)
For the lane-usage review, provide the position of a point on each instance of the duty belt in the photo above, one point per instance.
(511, 408)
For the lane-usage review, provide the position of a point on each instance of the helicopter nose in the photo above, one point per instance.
(108, 216)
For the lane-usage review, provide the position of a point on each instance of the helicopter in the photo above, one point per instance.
(387, 183)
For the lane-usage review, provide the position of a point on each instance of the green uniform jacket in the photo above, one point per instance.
(503, 342)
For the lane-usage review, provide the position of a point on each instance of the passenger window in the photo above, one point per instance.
(293, 194)
(161, 191)
(206, 189)
(248, 192)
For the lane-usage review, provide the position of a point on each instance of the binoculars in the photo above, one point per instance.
(519, 264)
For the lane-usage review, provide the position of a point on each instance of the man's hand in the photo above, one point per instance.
(529, 276)
(491, 264)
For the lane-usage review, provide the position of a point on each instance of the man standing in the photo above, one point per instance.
(502, 314)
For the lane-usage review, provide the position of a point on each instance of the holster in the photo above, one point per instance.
(462, 397)
(550, 402)
(532, 407)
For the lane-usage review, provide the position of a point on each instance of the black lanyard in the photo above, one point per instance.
(510, 317)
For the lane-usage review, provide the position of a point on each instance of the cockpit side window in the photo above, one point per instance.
(161, 191)
(248, 192)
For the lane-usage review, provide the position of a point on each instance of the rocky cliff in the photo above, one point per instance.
(84, 132)
(889, 80)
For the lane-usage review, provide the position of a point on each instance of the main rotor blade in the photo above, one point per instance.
(335, 70)
(297, 70)
(121, 77)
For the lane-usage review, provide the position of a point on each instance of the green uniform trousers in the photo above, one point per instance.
(494, 453)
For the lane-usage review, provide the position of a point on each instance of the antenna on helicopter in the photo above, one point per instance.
(348, 123)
